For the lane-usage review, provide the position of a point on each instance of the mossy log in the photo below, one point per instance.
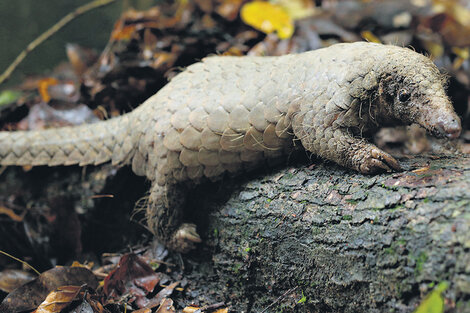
(326, 239)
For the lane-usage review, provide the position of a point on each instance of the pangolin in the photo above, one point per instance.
(231, 114)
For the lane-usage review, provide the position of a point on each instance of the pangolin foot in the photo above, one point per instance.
(185, 238)
(377, 161)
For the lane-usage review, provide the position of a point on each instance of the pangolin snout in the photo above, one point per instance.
(440, 119)
(449, 128)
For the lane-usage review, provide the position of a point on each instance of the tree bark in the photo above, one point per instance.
(300, 239)
(326, 239)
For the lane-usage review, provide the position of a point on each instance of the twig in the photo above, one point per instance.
(280, 298)
(21, 261)
(48, 33)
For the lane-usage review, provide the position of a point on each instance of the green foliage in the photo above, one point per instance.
(303, 299)
(9, 96)
(434, 302)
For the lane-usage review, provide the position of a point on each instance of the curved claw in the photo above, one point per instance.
(386, 158)
(379, 161)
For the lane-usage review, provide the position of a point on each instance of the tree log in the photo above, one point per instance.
(300, 239)
(326, 239)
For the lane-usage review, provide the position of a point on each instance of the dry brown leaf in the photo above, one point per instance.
(165, 292)
(58, 299)
(33, 293)
(11, 279)
(166, 306)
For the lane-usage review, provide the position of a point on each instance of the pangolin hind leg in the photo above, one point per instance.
(165, 217)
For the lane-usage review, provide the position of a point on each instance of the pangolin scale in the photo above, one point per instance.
(231, 114)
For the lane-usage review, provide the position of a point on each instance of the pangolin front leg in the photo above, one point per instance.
(369, 159)
(359, 154)
(338, 144)
(164, 214)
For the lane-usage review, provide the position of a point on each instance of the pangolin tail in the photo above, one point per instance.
(110, 140)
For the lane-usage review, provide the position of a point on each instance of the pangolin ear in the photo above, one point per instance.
(387, 87)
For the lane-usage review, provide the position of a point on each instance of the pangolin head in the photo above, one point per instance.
(413, 91)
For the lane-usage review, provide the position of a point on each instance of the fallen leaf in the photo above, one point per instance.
(268, 18)
(369, 36)
(165, 292)
(33, 293)
(58, 299)
(11, 279)
(166, 306)
(133, 277)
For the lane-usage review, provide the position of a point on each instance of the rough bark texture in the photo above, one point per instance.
(347, 242)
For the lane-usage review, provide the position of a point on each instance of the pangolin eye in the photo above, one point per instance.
(404, 95)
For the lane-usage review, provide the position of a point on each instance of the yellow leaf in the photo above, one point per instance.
(268, 18)
(369, 36)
